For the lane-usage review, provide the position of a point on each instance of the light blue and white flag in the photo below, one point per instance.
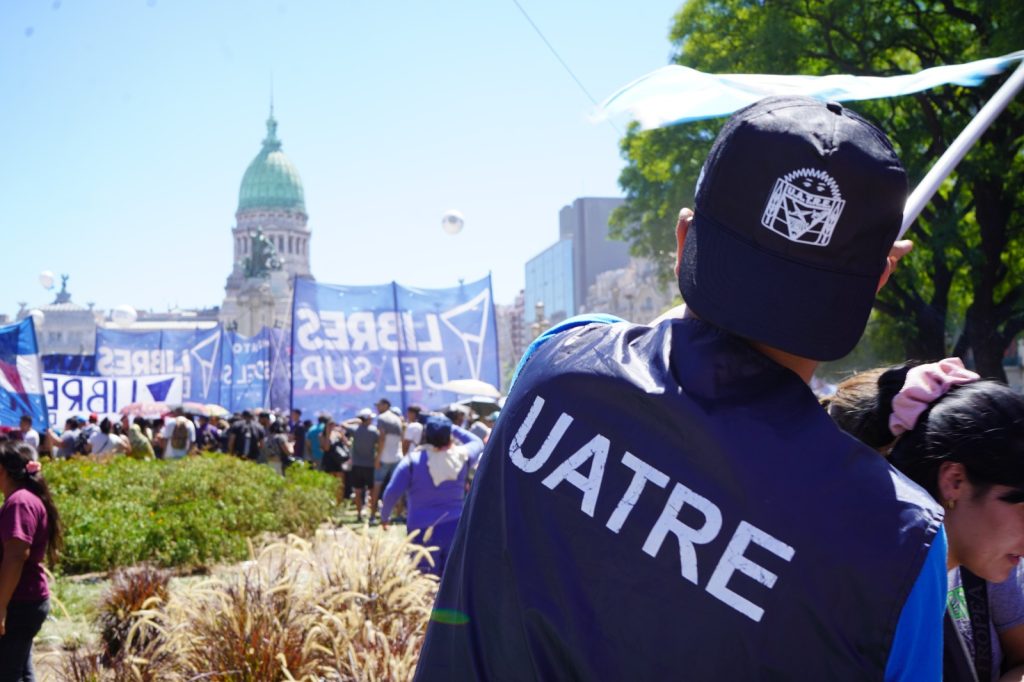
(21, 375)
(677, 94)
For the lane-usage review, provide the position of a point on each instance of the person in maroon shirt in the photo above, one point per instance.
(30, 531)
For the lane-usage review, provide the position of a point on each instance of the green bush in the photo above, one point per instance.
(187, 512)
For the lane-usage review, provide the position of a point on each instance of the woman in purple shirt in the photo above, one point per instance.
(29, 531)
(433, 477)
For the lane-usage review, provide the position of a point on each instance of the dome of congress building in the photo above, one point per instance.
(271, 181)
(271, 241)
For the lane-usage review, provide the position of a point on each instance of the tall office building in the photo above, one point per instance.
(549, 280)
(585, 222)
(561, 276)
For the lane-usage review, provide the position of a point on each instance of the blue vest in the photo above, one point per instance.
(667, 503)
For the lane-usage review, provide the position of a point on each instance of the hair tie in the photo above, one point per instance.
(923, 386)
(32, 467)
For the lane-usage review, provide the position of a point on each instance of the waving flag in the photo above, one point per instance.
(677, 94)
(21, 375)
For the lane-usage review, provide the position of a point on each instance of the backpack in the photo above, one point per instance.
(179, 436)
(81, 443)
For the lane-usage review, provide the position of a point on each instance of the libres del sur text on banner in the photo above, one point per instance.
(355, 344)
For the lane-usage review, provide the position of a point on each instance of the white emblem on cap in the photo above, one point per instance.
(804, 207)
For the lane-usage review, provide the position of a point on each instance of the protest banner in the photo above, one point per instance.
(354, 344)
(254, 370)
(69, 395)
(193, 353)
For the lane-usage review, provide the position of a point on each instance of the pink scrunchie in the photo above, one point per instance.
(923, 386)
(32, 467)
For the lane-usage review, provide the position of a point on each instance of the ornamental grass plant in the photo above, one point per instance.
(348, 605)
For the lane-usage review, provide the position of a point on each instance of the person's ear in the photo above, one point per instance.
(952, 481)
(899, 250)
(682, 229)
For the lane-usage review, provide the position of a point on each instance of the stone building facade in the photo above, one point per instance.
(271, 241)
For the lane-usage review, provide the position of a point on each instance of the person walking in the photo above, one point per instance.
(669, 500)
(389, 448)
(30, 531)
(365, 459)
(433, 478)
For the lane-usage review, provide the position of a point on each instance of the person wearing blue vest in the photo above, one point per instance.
(669, 501)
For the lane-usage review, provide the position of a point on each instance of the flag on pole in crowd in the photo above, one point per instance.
(21, 375)
(677, 94)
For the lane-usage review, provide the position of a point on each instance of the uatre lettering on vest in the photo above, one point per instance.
(596, 452)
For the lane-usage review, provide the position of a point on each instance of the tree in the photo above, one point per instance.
(962, 288)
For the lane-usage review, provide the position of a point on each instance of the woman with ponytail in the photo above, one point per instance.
(961, 439)
(29, 531)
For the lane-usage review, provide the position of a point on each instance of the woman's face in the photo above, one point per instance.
(986, 533)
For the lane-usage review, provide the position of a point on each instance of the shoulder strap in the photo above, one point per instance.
(956, 662)
(976, 595)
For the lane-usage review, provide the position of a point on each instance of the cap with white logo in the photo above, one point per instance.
(798, 204)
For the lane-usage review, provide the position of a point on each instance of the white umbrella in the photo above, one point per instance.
(473, 387)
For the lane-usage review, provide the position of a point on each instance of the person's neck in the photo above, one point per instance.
(7, 487)
(802, 367)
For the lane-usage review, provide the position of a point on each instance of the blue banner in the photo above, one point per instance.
(78, 365)
(21, 375)
(354, 344)
(193, 353)
(254, 371)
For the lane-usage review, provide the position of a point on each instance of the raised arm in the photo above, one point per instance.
(470, 441)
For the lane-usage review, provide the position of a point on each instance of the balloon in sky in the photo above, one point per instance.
(46, 278)
(452, 222)
(123, 315)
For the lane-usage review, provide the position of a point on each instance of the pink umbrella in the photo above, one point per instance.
(146, 409)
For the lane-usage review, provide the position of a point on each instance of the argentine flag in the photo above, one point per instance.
(21, 376)
(676, 94)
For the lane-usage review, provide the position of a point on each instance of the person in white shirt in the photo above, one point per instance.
(413, 428)
(28, 434)
(178, 436)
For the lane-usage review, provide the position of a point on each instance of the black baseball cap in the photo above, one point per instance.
(796, 208)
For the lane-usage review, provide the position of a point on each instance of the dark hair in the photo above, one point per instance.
(141, 422)
(277, 427)
(14, 457)
(26, 419)
(979, 425)
(71, 422)
(862, 404)
(105, 426)
(415, 409)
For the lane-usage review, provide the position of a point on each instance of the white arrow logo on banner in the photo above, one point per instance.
(479, 306)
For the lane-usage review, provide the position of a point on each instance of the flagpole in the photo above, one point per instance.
(923, 193)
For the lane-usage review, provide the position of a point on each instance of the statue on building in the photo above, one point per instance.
(63, 296)
(264, 257)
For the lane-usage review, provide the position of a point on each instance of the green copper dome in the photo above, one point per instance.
(271, 181)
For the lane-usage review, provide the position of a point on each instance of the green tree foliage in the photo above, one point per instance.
(962, 288)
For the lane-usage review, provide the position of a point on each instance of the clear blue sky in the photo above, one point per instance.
(128, 125)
